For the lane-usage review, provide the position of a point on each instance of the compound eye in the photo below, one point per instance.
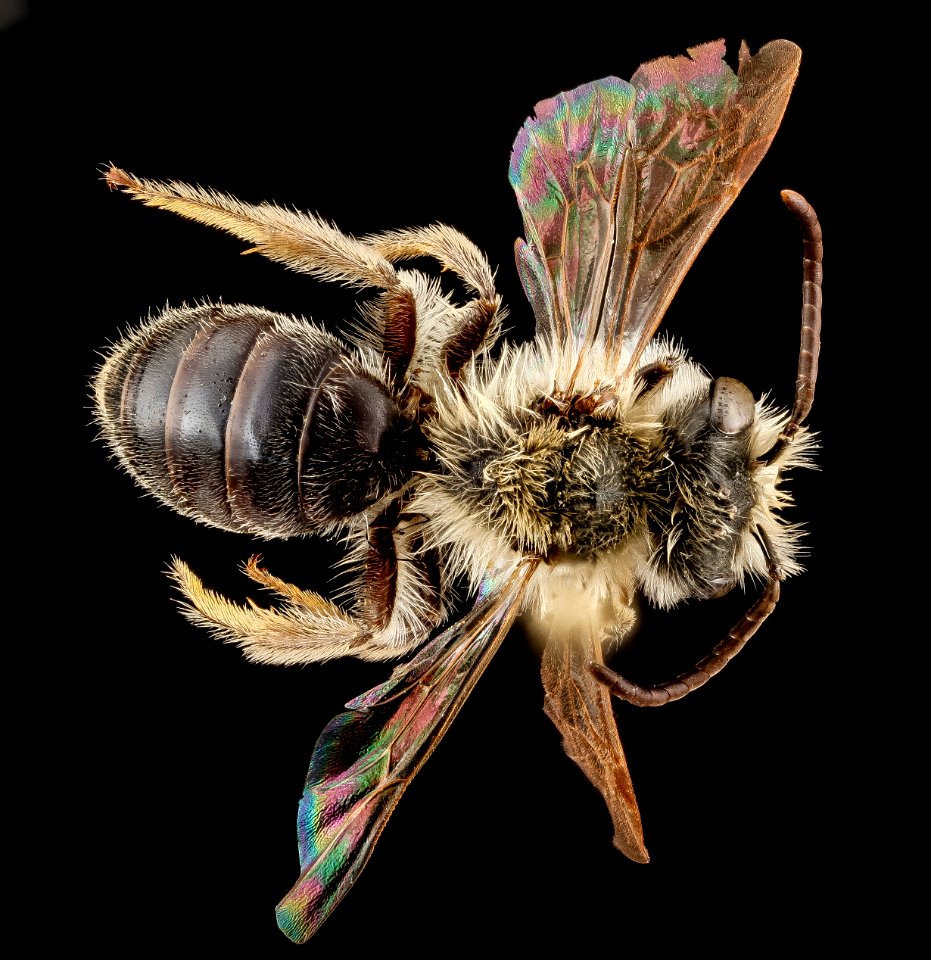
(732, 406)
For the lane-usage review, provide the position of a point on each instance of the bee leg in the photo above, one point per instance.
(476, 320)
(308, 628)
(811, 320)
(705, 669)
(477, 324)
(398, 309)
(452, 249)
(301, 241)
(396, 583)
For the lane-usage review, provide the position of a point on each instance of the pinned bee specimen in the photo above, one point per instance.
(556, 480)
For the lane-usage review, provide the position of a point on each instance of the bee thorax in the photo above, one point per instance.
(547, 486)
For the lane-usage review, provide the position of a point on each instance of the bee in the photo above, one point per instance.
(555, 480)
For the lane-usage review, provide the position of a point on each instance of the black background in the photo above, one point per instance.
(156, 772)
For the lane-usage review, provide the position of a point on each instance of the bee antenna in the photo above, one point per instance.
(722, 653)
(811, 320)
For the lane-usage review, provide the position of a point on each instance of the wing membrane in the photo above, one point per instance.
(366, 757)
(620, 184)
(580, 707)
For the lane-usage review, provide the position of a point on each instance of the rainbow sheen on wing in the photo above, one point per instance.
(366, 757)
(620, 185)
(561, 165)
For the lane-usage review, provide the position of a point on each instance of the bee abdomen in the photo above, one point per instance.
(218, 410)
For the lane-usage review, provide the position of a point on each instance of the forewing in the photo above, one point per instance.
(366, 757)
(580, 707)
(620, 185)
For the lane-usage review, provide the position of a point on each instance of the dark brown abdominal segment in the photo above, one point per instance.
(253, 421)
(360, 447)
(208, 407)
(198, 411)
(269, 419)
(136, 398)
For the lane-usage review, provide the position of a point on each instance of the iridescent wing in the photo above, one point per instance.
(620, 184)
(366, 757)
